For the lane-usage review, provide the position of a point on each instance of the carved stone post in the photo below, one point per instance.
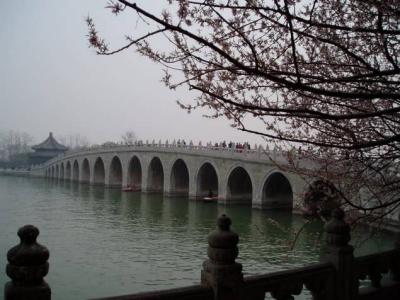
(220, 271)
(340, 254)
(27, 265)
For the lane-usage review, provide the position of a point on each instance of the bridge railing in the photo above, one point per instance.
(257, 152)
(318, 279)
(192, 147)
(336, 277)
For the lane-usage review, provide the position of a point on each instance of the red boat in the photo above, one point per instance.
(130, 189)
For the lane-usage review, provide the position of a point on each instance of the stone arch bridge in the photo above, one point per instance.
(237, 176)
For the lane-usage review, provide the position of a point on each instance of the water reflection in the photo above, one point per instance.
(202, 218)
(152, 208)
(175, 211)
(130, 242)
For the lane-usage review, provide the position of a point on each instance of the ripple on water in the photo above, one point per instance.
(104, 242)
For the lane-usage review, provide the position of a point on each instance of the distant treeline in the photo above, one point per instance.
(20, 160)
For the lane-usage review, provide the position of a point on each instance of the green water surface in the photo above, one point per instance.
(105, 242)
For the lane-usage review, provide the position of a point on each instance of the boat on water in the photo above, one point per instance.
(130, 189)
(210, 199)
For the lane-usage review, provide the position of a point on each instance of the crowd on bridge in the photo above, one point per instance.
(231, 145)
(223, 144)
(183, 143)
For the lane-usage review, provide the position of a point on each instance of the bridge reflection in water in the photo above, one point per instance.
(124, 242)
(129, 242)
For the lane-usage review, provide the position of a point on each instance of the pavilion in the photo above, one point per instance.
(46, 150)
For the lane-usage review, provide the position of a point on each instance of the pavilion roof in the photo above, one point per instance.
(50, 144)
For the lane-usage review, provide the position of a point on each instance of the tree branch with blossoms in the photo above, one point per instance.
(321, 77)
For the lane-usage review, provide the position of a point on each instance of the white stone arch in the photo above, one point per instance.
(300, 186)
(196, 175)
(263, 182)
(68, 170)
(155, 183)
(75, 170)
(252, 181)
(57, 172)
(135, 182)
(172, 178)
(85, 170)
(62, 170)
(115, 171)
(99, 171)
(270, 172)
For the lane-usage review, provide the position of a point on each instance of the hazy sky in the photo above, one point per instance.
(51, 81)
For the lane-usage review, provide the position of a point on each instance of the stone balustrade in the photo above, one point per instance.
(383, 272)
(336, 277)
(318, 279)
(257, 152)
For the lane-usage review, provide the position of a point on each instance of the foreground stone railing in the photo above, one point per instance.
(336, 277)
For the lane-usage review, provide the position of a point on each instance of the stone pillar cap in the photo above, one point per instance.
(223, 237)
(28, 252)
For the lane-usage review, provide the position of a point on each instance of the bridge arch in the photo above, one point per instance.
(115, 173)
(277, 192)
(155, 177)
(179, 180)
(239, 186)
(99, 172)
(158, 170)
(62, 171)
(68, 171)
(75, 171)
(85, 172)
(207, 180)
(135, 173)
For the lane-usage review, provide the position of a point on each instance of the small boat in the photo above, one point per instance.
(210, 199)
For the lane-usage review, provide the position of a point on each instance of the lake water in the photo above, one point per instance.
(105, 242)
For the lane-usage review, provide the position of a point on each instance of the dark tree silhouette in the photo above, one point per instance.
(321, 77)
